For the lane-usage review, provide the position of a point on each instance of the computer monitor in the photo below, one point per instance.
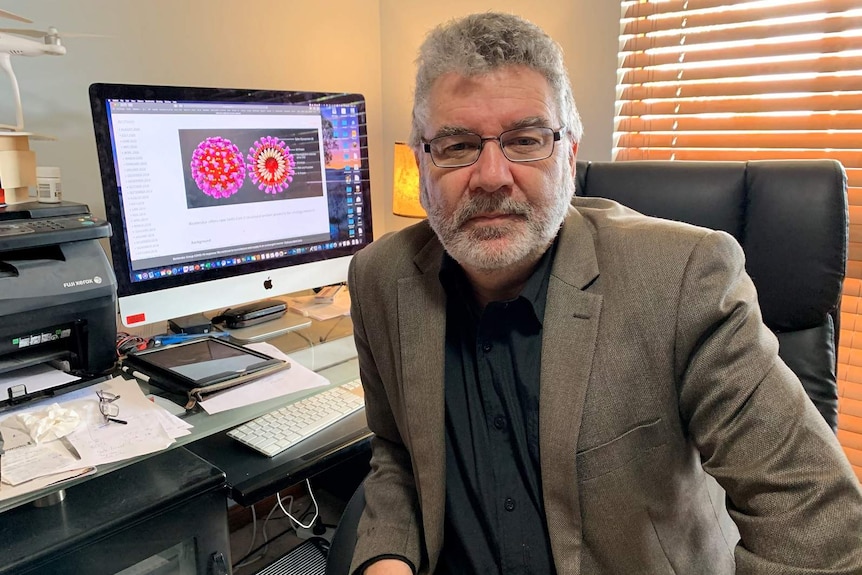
(220, 197)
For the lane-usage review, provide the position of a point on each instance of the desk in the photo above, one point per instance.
(245, 475)
(171, 500)
(252, 477)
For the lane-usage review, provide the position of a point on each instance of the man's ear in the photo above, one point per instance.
(573, 155)
(416, 156)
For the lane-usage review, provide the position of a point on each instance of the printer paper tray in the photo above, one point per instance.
(32, 357)
(56, 391)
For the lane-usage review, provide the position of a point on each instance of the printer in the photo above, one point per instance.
(58, 294)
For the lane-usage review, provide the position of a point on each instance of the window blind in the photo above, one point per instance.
(750, 80)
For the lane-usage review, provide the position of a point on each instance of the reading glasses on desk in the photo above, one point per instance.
(108, 408)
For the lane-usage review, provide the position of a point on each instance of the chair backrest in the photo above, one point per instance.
(340, 552)
(791, 219)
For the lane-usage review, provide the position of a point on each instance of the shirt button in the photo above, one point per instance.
(499, 422)
(486, 347)
(510, 504)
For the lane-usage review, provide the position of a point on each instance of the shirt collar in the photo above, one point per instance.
(535, 291)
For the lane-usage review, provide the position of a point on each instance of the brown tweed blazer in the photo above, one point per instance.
(656, 370)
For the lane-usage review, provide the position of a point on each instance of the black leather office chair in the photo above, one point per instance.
(791, 219)
(341, 548)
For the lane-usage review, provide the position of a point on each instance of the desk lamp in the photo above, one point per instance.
(405, 184)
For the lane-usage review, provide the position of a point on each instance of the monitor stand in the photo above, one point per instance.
(263, 331)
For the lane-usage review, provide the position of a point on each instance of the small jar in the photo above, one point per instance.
(48, 188)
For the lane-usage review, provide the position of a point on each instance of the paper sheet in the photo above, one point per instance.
(34, 378)
(173, 425)
(308, 306)
(99, 443)
(25, 463)
(297, 378)
(149, 428)
(9, 491)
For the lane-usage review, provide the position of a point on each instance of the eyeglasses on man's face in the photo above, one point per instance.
(518, 145)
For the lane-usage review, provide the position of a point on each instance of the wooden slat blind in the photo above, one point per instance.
(747, 80)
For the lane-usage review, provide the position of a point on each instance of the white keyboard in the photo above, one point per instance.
(274, 432)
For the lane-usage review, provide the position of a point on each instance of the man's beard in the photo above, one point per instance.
(484, 247)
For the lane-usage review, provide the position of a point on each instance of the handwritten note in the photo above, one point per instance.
(149, 428)
(9, 491)
(100, 442)
(31, 461)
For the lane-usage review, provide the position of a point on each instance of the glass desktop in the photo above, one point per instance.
(325, 347)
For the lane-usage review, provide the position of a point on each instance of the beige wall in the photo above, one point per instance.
(280, 44)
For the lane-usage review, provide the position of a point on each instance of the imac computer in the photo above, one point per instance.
(221, 197)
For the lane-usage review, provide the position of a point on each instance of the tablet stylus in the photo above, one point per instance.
(136, 374)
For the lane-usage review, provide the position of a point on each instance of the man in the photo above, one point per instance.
(549, 386)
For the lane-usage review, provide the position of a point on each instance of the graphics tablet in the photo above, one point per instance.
(201, 367)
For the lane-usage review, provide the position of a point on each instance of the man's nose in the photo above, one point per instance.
(492, 170)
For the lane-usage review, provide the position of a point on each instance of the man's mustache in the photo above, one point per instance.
(490, 203)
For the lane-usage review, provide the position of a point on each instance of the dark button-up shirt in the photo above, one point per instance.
(495, 520)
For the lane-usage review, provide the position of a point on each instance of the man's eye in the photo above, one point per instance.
(523, 142)
(458, 148)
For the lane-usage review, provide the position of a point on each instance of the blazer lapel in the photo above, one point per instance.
(568, 344)
(422, 326)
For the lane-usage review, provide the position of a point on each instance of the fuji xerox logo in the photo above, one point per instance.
(87, 281)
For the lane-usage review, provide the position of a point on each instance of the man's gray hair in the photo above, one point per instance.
(480, 43)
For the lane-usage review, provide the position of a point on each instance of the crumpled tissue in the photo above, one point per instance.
(52, 423)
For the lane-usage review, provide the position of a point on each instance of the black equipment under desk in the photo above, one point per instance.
(124, 518)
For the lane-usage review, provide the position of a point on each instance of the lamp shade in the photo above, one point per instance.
(405, 186)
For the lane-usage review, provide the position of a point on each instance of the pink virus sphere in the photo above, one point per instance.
(271, 165)
(217, 167)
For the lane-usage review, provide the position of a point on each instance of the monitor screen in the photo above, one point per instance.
(219, 197)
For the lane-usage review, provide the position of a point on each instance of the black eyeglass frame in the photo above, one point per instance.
(108, 408)
(557, 136)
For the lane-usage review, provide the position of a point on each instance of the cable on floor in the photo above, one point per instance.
(245, 559)
(265, 546)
